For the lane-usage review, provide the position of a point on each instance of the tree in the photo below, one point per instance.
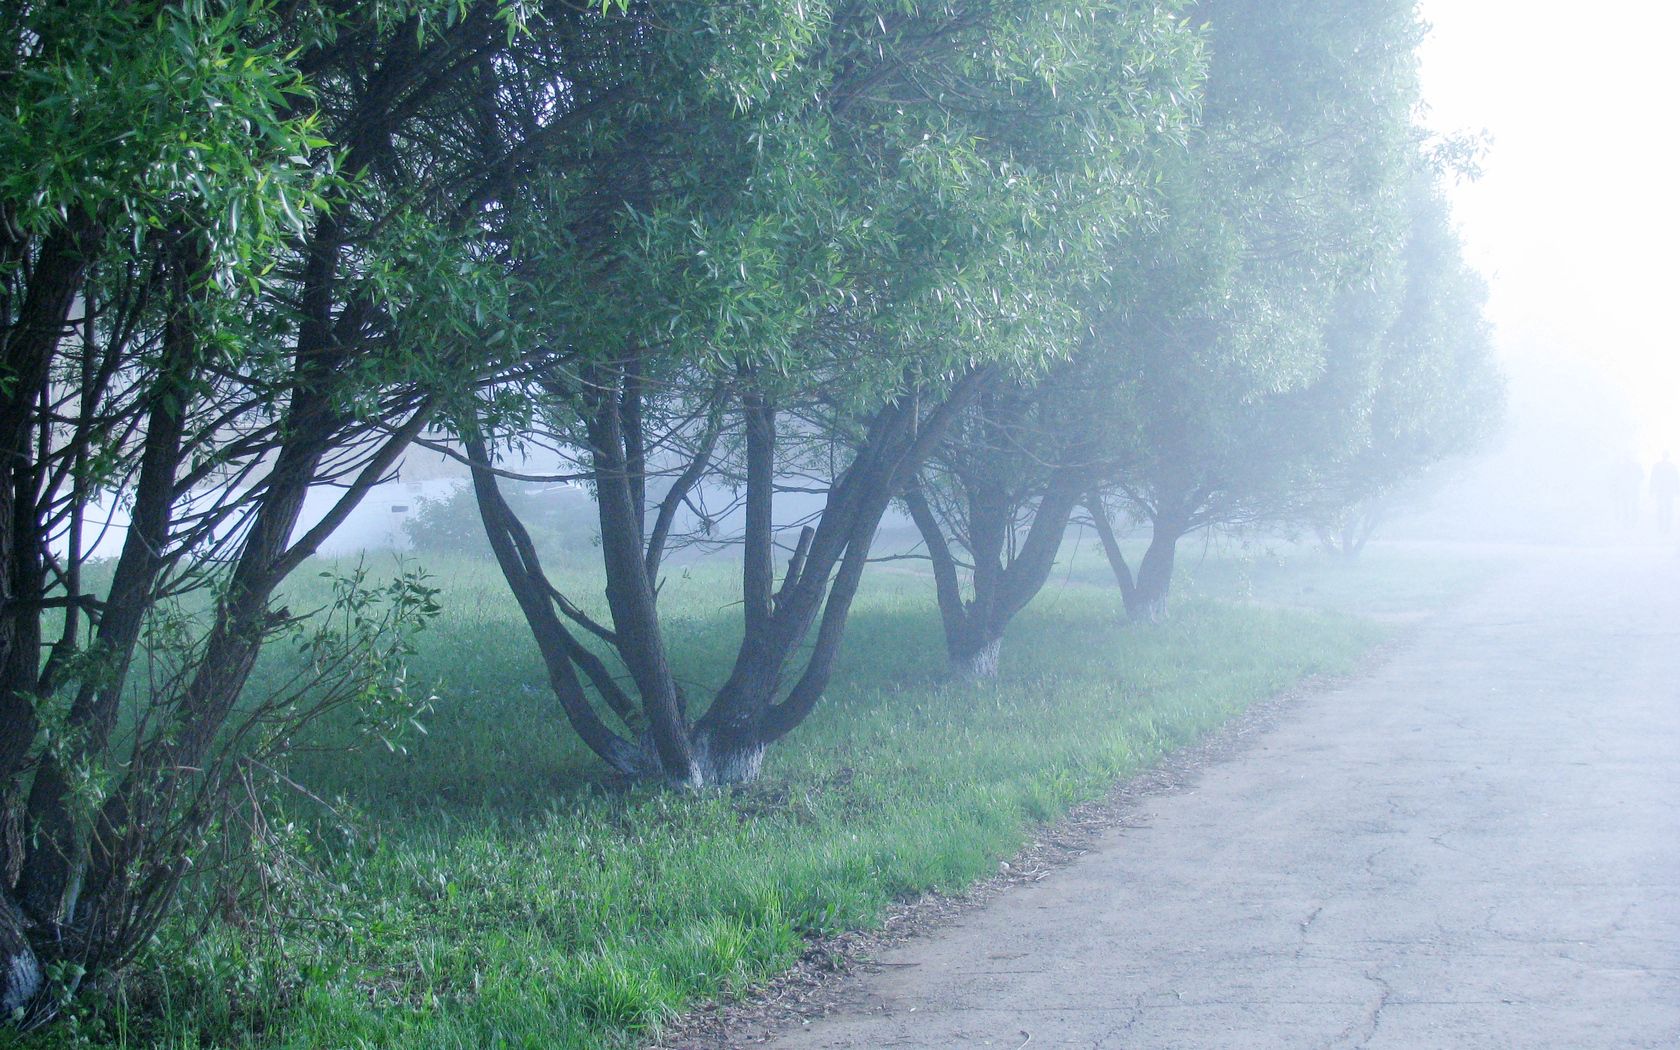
(1241, 324)
(1226, 352)
(1000, 490)
(248, 250)
(1438, 391)
(923, 189)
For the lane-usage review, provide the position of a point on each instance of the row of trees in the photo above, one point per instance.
(1000, 260)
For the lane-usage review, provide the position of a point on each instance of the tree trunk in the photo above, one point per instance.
(976, 658)
(1154, 576)
(1369, 518)
(725, 759)
(1005, 579)
(1347, 535)
(901, 439)
(1116, 557)
(20, 970)
(630, 594)
(727, 744)
(28, 346)
(531, 589)
(954, 613)
(54, 849)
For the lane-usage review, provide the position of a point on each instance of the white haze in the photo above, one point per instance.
(1574, 223)
(1576, 219)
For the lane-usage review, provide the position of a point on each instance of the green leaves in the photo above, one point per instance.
(1243, 321)
(895, 190)
(177, 121)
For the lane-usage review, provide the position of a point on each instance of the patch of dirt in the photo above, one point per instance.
(811, 988)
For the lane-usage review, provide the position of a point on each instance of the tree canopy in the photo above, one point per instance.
(999, 259)
(916, 205)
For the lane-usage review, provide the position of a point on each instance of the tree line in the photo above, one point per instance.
(1014, 264)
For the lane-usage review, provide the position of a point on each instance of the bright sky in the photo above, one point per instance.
(1576, 222)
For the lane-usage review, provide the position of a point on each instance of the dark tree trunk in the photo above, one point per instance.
(136, 851)
(953, 611)
(28, 346)
(20, 969)
(91, 895)
(1144, 593)
(745, 716)
(1155, 573)
(230, 651)
(1004, 582)
(54, 849)
(630, 594)
(726, 745)
(560, 651)
(1116, 557)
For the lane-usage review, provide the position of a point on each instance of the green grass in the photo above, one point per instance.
(1387, 581)
(490, 891)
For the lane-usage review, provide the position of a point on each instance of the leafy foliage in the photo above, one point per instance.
(1180, 256)
(808, 271)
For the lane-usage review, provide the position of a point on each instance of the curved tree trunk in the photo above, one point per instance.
(1003, 583)
(1154, 576)
(746, 715)
(1116, 557)
(54, 848)
(561, 653)
(1144, 593)
(27, 344)
(726, 745)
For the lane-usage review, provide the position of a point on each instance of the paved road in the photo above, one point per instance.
(1477, 845)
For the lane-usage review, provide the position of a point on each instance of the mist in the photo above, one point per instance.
(552, 524)
(1555, 474)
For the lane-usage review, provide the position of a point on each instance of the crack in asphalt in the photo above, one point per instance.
(1373, 1013)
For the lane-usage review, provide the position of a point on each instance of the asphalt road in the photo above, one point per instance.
(1475, 845)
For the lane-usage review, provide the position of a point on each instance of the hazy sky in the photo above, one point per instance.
(1576, 222)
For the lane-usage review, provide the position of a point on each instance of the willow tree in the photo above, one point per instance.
(1437, 390)
(810, 264)
(1223, 322)
(995, 499)
(244, 254)
(1246, 305)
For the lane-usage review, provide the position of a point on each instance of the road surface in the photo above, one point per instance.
(1475, 845)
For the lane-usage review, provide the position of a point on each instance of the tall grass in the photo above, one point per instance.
(485, 888)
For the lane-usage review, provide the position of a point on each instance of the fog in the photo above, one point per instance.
(1573, 223)
(1553, 475)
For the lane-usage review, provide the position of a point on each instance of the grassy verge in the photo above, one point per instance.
(482, 890)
